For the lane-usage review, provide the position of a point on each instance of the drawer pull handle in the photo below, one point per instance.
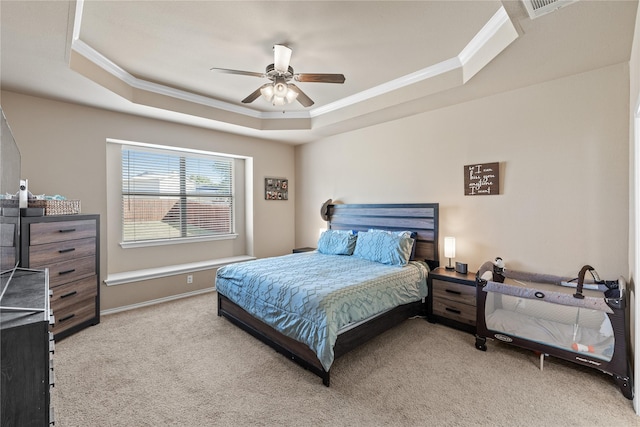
(62, 251)
(70, 294)
(453, 310)
(453, 292)
(67, 271)
(64, 319)
(67, 230)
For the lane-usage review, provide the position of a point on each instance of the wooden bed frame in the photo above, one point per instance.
(421, 218)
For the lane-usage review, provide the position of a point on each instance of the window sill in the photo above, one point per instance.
(170, 270)
(142, 244)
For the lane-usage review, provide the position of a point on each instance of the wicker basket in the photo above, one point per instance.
(9, 203)
(57, 207)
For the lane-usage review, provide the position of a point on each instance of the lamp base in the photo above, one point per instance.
(449, 267)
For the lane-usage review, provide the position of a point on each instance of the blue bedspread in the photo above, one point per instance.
(310, 296)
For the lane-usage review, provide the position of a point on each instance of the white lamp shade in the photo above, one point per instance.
(280, 89)
(291, 95)
(449, 247)
(267, 92)
(278, 100)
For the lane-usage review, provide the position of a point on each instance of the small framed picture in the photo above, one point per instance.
(276, 189)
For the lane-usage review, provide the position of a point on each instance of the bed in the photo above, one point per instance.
(356, 293)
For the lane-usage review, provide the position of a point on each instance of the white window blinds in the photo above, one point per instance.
(170, 194)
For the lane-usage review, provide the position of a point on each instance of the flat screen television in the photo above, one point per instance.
(10, 162)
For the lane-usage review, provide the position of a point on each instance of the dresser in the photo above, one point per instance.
(68, 245)
(452, 299)
(26, 349)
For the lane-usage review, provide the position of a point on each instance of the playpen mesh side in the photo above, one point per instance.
(570, 328)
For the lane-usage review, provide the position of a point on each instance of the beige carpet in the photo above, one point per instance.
(179, 364)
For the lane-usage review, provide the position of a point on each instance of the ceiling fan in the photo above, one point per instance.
(280, 91)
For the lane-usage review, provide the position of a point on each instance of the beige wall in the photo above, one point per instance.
(563, 151)
(64, 151)
(634, 143)
(562, 145)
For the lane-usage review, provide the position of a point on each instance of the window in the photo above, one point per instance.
(172, 194)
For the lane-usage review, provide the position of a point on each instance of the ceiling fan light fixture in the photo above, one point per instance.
(280, 89)
(267, 92)
(279, 100)
(291, 95)
(278, 93)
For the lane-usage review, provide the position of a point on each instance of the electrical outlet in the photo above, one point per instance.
(190, 278)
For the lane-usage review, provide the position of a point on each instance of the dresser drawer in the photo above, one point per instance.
(49, 253)
(74, 314)
(8, 234)
(70, 293)
(454, 310)
(59, 231)
(69, 271)
(454, 292)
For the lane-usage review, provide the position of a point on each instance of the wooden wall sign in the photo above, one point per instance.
(276, 189)
(482, 179)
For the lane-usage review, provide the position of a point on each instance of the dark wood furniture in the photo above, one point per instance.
(421, 218)
(300, 250)
(452, 299)
(9, 237)
(68, 245)
(26, 347)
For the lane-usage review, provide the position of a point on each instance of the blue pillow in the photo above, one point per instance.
(337, 242)
(384, 247)
(404, 233)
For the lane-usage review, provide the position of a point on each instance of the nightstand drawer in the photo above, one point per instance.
(454, 292)
(452, 299)
(453, 310)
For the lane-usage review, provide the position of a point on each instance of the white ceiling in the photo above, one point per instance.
(153, 58)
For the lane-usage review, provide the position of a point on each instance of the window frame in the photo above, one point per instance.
(177, 151)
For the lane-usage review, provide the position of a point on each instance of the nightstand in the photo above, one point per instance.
(307, 249)
(452, 299)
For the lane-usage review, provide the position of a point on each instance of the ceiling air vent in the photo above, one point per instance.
(537, 8)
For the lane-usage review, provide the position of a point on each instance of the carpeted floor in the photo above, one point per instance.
(179, 364)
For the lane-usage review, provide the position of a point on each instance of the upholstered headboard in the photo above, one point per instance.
(421, 218)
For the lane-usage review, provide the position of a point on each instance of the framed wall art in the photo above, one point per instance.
(276, 189)
(482, 179)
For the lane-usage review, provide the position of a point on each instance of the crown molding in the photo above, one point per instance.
(482, 42)
(485, 35)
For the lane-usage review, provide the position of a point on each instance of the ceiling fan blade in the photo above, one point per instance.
(281, 58)
(302, 97)
(319, 78)
(242, 73)
(254, 95)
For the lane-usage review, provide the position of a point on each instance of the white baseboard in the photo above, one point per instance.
(155, 301)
